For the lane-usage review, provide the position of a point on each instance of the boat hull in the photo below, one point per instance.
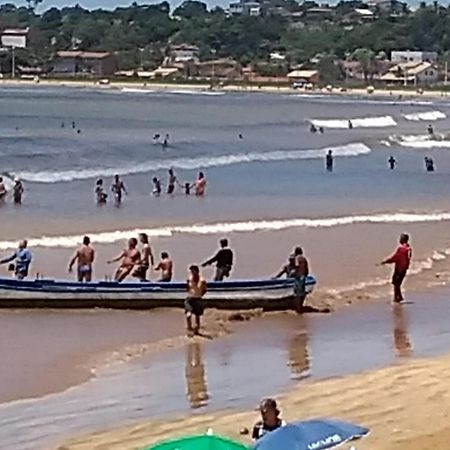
(43, 293)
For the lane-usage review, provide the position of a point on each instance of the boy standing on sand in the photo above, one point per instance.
(401, 260)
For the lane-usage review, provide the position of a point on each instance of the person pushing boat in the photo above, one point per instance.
(300, 273)
(131, 257)
(22, 256)
(146, 258)
(223, 260)
(165, 266)
(84, 257)
(288, 269)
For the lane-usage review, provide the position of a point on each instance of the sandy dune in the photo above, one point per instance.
(406, 406)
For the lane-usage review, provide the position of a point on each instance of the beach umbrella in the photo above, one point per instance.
(201, 442)
(317, 434)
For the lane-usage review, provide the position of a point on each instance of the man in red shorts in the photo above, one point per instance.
(401, 260)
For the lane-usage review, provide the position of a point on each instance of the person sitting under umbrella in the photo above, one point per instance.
(270, 419)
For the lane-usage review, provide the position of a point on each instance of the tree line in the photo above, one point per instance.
(141, 35)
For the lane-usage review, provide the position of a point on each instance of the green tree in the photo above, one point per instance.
(366, 59)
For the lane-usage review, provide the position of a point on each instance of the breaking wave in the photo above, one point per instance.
(203, 162)
(361, 122)
(428, 116)
(422, 141)
(107, 237)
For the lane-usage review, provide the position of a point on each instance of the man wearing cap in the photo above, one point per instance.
(270, 419)
(23, 257)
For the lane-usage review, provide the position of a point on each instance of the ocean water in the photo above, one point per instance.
(275, 172)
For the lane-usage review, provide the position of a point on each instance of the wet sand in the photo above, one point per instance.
(261, 254)
(206, 376)
(49, 351)
(396, 403)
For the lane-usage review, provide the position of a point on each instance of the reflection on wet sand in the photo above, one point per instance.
(298, 355)
(196, 387)
(402, 340)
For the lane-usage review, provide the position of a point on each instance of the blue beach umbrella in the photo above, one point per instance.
(318, 434)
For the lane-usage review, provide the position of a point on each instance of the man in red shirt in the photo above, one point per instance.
(401, 260)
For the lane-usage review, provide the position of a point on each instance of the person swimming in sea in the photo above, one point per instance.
(200, 185)
(392, 162)
(429, 164)
(187, 188)
(171, 182)
(350, 125)
(100, 194)
(156, 186)
(3, 190)
(165, 143)
(18, 191)
(313, 128)
(156, 137)
(118, 188)
(430, 130)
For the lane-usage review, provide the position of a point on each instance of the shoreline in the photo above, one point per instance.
(150, 86)
(395, 418)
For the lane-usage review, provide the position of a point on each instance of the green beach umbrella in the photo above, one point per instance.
(202, 442)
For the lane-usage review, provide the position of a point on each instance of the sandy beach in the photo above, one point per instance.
(394, 92)
(396, 403)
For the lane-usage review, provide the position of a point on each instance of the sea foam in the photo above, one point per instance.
(429, 116)
(106, 237)
(422, 141)
(202, 162)
(357, 122)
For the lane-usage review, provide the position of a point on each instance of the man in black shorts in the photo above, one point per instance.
(193, 305)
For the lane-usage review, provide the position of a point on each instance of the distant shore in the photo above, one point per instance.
(394, 92)
(396, 403)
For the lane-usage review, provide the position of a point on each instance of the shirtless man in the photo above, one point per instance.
(166, 267)
(118, 188)
(300, 273)
(84, 255)
(200, 185)
(146, 258)
(171, 182)
(100, 194)
(131, 257)
(193, 305)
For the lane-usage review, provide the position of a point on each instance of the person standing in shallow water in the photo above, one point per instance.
(118, 189)
(329, 161)
(392, 162)
(18, 190)
(171, 182)
(301, 272)
(401, 260)
(193, 305)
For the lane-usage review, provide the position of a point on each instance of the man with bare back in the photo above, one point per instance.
(84, 256)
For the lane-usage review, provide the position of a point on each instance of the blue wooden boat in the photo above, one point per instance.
(240, 294)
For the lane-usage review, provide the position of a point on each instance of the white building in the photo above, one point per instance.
(245, 7)
(407, 56)
(417, 74)
(183, 53)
